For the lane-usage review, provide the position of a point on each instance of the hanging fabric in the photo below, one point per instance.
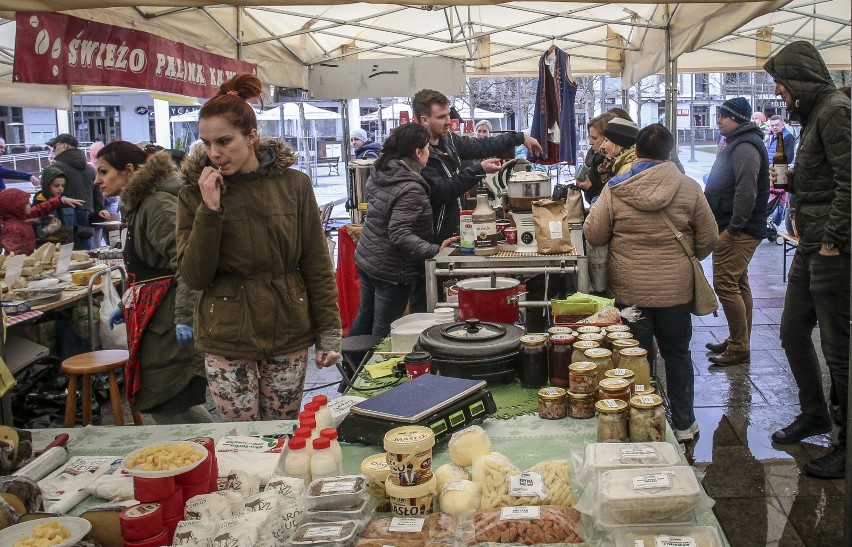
(554, 124)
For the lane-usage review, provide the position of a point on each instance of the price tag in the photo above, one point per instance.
(675, 541)
(528, 483)
(637, 388)
(555, 229)
(64, 260)
(646, 399)
(324, 531)
(638, 543)
(524, 512)
(406, 524)
(14, 266)
(619, 371)
(338, 487)
(657, 480)
(610, 403)
(637, 453)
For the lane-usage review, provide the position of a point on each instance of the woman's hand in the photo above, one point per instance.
(70, 202)
(327, 358)
(104, 214)
(210, 183)
(447, 242)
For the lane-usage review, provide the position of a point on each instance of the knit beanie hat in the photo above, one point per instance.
(738, 109)
(622, 132)
(360, 134)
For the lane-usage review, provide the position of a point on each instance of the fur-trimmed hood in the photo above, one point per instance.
(157, 174)
(275, 157)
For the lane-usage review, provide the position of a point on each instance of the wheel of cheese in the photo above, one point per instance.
(192, 490)
(157, 541)
(14, 501)
(171, 526)
(196, 475)
(153, 490)
(173, 505)
(106, 528)
(26, 490)
(141, 522)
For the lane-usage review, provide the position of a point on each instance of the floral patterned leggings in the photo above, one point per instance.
(245, 390)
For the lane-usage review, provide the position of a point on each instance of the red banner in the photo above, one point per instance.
(54, 48)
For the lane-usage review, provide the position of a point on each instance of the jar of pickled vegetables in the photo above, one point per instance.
(617, 335)
(618, 345)
(580, 346)
(586, 329)
(612, 421)
(614, 388)
(643, 389)
(617, 328)
(583, 377)
(581, 405)
(552, 403)
(624, 374)
(636, 359)
(602, 358)
(647, 419)
(592, 337)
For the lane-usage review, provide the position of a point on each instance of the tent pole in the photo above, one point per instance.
(380, 130)
(346, 149)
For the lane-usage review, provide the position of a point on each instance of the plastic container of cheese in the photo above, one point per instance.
(600, 457)
(668, 536)
(655, 495)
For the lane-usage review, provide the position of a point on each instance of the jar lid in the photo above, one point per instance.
(580, 396)
(624, 343)
(613, 384)
(597, 353)
(624, 373)
(409, 439)
(533, 339)
(633, 352)
(583, 367)
(474, 329)
(611, 406)
(586, 344)
(559, 330)
(617, 328)
(417, 357)
(646, 401)
(619, 335)
(593, 336)
(376, 467)
(428, 488)
(643, 389)
(562, 338)
(551, 393)
(585, 329)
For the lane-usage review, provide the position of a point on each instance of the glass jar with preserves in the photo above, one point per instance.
(592, 337)
(534, 360)
(617, 335)
(647, 419)
(587, 329)
(559, 330)
(612, 421)
(581, 406)
(602, 358)
(636, 359)
(559, 357)
(580, 346)
(614, 388)
(643, 389)
(624, 374)
(618, 345)
(583, 377)
(552, 403)
(617, 328)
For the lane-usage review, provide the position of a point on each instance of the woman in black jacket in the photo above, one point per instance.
(398, 232)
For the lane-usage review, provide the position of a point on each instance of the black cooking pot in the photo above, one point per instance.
(474, 350)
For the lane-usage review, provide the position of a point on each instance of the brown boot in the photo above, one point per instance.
(717, 348)
(730, 357)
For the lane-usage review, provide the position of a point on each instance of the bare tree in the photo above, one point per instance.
(645, 91)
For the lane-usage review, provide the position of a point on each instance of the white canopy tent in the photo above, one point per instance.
(492, 39)
(392, 112)
(291, 112)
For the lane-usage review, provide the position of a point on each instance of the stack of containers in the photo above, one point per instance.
(143, 526)
(410, 486)
(184, 480)
(167, 496)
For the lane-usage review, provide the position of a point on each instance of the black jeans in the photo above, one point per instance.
(382, 303)
(818, 294)
(672, 327)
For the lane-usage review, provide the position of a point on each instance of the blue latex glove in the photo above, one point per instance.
(184, 334)
(116, 317)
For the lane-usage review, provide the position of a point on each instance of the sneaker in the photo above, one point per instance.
(830, 466)
(687, 435)
(803, 426)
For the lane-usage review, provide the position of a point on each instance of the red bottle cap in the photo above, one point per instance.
(309, 423)
(321, 399)
(296, 443)
(305, 415)
(312, 407)
(329, 433)
(304, 432)
(321, 443)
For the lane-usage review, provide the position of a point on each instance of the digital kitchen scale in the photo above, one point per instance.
(440, 403)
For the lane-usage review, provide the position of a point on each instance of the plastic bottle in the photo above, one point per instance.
(305, 415)
(323, 463)
(323, 417)
(331, 434)
(298, 462)
(307, 434)
(484, 226)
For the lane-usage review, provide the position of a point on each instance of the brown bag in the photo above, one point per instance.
(704, 300)
(574, 205)
(552, 234)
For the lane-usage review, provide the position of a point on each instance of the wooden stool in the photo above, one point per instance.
(86, 364)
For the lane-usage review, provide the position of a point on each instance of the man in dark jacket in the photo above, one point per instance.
(80, 184)
(447, 181)
(364, 148)
(818, 284)
(737, 190)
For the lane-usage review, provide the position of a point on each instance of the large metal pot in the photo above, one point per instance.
(523, 185)
(475, 350)
(358, 171)
(488, 299)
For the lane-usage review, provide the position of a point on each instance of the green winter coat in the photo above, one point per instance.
(821, 179)
(261, 262)
(148, 202)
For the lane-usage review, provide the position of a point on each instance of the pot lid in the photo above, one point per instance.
(528, 176)
(473, 338)
(488, 283)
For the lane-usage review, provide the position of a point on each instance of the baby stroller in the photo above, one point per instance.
(777, 208)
